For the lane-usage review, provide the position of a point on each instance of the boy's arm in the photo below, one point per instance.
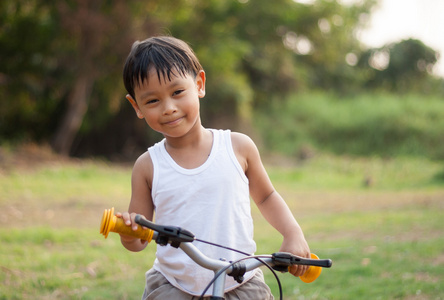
(276, 212)
(141, 201)
(271, 205)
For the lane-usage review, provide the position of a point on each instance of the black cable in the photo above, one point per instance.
(220, 272)
(223, 247)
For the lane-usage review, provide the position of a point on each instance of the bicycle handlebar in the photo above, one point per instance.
(181, 238)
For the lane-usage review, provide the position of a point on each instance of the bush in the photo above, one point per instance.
(371, 124)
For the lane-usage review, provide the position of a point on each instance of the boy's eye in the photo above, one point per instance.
(152, 101)
(177, 92)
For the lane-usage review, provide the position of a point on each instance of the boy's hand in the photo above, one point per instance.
(300, 248)
(129, 220)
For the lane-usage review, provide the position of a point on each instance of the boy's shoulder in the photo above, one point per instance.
(144, 157)
(144, 164)
(241, 139)
(242, 143)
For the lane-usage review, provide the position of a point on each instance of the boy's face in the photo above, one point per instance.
(170, 107)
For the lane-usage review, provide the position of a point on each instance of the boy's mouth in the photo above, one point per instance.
(173, 122)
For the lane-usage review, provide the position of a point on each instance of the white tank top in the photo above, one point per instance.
(212, 201)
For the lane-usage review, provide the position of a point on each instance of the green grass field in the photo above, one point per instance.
(379, 220)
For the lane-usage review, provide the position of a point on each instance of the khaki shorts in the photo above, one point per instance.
(158, 288)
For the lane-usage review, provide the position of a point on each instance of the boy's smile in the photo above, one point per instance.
(173, 122)
(170, 107)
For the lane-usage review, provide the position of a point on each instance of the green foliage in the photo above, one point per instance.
(55, 55)
(330, 28)
(27, 65)
(405, 66)
(372, 124)
(268, 52)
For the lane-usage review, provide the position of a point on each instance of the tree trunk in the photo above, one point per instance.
(72, 120)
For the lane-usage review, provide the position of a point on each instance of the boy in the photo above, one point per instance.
(196, 178)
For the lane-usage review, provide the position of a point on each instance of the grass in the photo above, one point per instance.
(333, 173)
(68, 263)
(391, 253)
(51, 181)
(385, 239)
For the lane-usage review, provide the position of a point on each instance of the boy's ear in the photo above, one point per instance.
(200, 83)
(135, 106)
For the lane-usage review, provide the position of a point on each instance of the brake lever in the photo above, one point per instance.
(167, 234)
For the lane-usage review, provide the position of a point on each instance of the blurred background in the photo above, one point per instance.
(300, 76)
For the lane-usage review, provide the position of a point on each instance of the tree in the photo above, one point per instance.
(66, 73)
(97, 34)
(61, 58)
(403, 66)
(28, 69)
(329, 28)
(254, 50)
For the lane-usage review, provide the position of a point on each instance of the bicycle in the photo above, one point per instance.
(182, 238)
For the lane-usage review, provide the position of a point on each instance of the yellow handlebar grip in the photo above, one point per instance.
(112, 223)
(312, 273)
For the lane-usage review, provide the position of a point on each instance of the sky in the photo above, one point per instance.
(395, 20)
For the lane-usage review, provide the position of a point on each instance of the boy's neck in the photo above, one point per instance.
(191, 150)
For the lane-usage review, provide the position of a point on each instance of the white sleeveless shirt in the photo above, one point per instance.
(212, 201)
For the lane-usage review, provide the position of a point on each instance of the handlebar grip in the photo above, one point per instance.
(324, 263)
(111, 223)
(315, 269)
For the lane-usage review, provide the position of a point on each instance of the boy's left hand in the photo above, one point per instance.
(300, 248)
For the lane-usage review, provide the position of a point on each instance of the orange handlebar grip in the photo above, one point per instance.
(112, 223)
(312, 273)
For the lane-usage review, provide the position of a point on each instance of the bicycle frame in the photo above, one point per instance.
(217, 266)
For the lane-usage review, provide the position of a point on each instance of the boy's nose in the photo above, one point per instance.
(169, 107)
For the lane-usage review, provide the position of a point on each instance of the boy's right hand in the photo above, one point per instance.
(128, 219)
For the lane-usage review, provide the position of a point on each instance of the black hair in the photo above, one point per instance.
(167, 55)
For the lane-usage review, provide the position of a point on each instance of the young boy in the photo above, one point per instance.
(196, 178)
